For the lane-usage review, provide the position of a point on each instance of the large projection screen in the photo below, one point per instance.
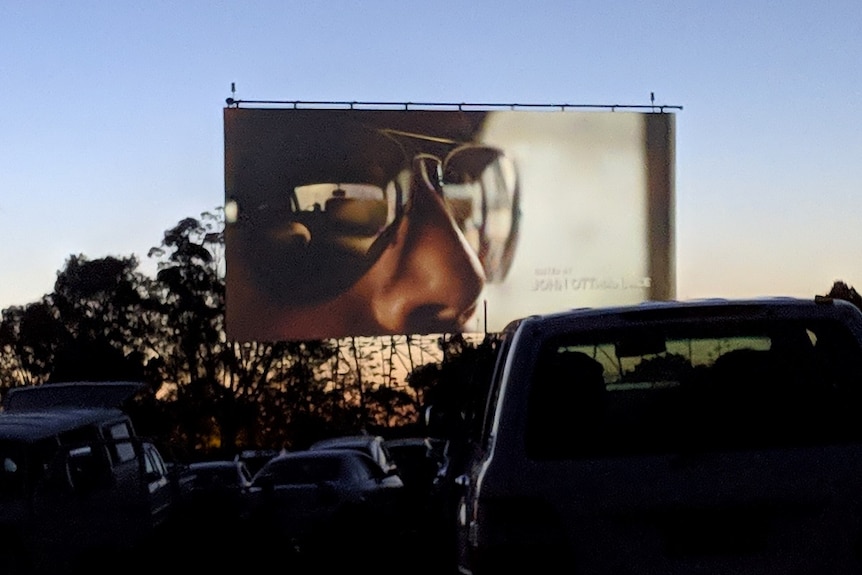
(367, 222)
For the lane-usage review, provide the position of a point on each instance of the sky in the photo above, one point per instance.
(111, 128)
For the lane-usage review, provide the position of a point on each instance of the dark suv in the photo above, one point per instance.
(77, 485)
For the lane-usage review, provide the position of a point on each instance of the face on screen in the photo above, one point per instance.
(399, 238)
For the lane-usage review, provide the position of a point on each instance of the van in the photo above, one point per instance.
(709, 436)
(76, 482)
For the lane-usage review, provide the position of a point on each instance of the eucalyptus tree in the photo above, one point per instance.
(226, 394)
(29, 338)
(841, 290)
(89, 327)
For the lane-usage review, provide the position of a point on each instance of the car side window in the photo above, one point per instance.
(386, 455)
(485, 416)
(153, 462)
(366, 469)
(13, 473)
(149, 464)
(159, 461)
(122, 449)
(87, 468)
(244, 473)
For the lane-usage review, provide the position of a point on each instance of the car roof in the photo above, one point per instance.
(70, 395)
(344, 458)
(32, 426)
(772, 307)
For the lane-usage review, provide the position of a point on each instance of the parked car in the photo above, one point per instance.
(254, 459)
(231, 475)
(418, 464)
(372, 445)
(77, 484)
(215, 491)
(328, 498)
(416, 459)
(713, 436)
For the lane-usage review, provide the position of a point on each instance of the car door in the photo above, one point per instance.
(160, 491)
(76, 508)
(299, 495)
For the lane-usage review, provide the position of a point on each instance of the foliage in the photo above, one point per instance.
(670, 366)
(841, 290)
(106, 320)
(456, 388)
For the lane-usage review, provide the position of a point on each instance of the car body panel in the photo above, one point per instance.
(300, 496)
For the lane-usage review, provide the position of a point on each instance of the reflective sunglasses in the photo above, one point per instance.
(478, 184)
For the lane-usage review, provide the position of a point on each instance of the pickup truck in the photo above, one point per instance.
(77, 485)
(708, 436)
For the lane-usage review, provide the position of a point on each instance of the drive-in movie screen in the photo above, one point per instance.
(365, 222)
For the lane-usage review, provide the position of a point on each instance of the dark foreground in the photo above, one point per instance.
(194, 545)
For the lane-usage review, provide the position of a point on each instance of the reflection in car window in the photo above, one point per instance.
(121, 451)
(245, 473)
(153, 462)
(682, 386)
(149, 465)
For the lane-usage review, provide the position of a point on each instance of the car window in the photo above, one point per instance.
(12, 472)
(385, 460)
(154, 462)
(304, 471)
(244, 473)
(149, 463)
(366, 469)
(122, 449)
(674, 387)
(482, 421)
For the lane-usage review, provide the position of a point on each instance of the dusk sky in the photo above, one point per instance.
(112, 126)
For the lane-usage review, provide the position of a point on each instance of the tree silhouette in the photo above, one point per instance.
(85, 329)
(101, 303)
(457, 386)
(107, 320)
(841, 290)
(29, 337)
